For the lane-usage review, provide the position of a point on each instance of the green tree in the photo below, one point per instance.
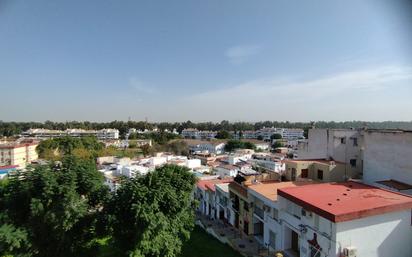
(153, 215)
(51, 210)
(276, 136)
(232, 145)
(223, 134)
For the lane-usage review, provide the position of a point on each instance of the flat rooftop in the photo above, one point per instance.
(269, 190)
(346, 201)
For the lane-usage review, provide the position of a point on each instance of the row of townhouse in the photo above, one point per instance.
(266, 133)
(311, 219)
(379, 157)
(103, 134)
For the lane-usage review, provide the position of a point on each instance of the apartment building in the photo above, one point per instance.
(103, 134)
(18, 154)
(266, 133)
(192, 133)
(343, 219)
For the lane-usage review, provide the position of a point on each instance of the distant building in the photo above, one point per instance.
(18, 154)
(103, 134)
(266, 133)
(191, 133)
(210, 147)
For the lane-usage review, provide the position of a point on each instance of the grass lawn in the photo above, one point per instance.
(200, 244)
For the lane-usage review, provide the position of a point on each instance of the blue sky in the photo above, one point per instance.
(238, 60)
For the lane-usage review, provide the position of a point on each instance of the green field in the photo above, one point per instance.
(200, 244)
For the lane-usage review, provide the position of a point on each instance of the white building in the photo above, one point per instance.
(191, 133)
(344, 219)
(271, 165)
(205, 193)
(211, 147)
(131, 171)
(266, 222)
(387, 159)
(266, 133)
(19, 154)
(343, 145)
(103, 134)
(227, 170)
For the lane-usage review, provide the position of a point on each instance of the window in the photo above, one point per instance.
(343, 140)
(355, 142)
(320, 174)
(272, 239)
(275, 214)
(353, 162)
(304, 173)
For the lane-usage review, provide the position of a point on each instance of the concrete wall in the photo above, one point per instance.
(387, 156)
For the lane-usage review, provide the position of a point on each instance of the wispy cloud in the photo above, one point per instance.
(241, 53)
(141, 87)
(265, 97)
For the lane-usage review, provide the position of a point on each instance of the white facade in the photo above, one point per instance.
(227, 171)
(198, 134)
(103, 134)
(273, 166)
(193, 163)
(131, 171)
(387, 234)
(208, 147)
(342, 145)
(387, 156)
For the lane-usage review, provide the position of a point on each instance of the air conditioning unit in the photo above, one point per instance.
(350, 252)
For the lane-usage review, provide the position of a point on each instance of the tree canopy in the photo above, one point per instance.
(14, 128)
(51, 210)
(152, 215)
(84, 147)
(223, 134)
(60, 210)
(232, 145)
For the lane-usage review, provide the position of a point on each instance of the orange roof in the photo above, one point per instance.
(270, 189)
(346, 201)
(210, 184)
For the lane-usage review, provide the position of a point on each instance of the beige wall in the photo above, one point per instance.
(18, 156)
(331, 173)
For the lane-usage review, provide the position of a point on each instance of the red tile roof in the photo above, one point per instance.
(346, 201)
(210, 184)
